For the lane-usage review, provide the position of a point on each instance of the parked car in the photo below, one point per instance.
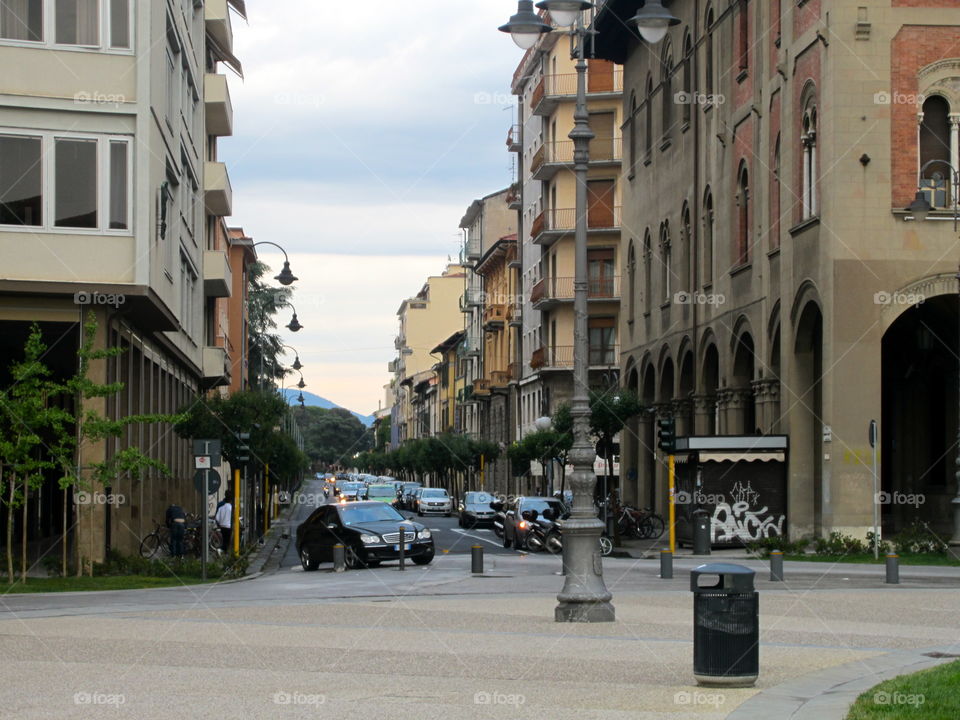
(434, 500)
(370, 532)
(382, 493)
(519, 513)
(415, 499)
(475, 510)
(351, 491)
(406, 494)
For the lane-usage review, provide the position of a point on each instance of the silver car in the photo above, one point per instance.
(434, 500)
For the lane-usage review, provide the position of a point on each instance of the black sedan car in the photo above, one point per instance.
(475, 509)
(369, 531)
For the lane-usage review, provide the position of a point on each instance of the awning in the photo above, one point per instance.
(240, 6)
(742, 457)
(224, 56)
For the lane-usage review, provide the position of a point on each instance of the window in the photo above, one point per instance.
(633, 135)
(936, 151)
(21, 194)
(171, 89)
(603, 341)
(743, 216)
(707, 251)
(188, 287)
(120, 24)
(688, 99)
(84, 181)
(808, 141)
(632, 281)
(667, 93)
(21, 20)
(743, 37)
(601, 272)
(775, 198)
(77, 22)
(708, 65)
(647, 271)
(666, 262)
(686, 237)
(648, 140)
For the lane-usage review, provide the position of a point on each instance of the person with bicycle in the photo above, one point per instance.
(224, 520)
(176, 522)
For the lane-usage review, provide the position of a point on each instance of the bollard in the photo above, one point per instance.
(476, 560)
(776, 566)
(666, 565)
(339, 558)
(402, 546)
(893, 569)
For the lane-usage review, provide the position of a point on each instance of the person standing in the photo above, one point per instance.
(224, 520)
(176, 522)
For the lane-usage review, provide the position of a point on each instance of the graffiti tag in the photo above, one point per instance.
(739, 522)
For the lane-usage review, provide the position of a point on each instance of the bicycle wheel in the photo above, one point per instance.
(644, 528)
(657, 526)
(626, 526)
(163, 540)
(606, 546)
(149, 545)
(216, 540)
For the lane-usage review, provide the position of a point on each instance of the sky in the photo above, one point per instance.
(362, 131)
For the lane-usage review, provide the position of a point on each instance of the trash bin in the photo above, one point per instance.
(726, 626)
(701, 532)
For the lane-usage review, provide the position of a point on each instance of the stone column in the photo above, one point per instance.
(955, 154)
(704, 413)
(683, 411)
(724, 397)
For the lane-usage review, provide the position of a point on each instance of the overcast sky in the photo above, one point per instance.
(362, 131)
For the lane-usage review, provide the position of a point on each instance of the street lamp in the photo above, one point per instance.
(543, 423)
(653, 20)
(294, 324)
(921, 208)
(286, 277)
(584, 597)
(297, 365)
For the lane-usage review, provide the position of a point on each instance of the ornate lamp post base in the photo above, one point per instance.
(955, 540)
(584, 597)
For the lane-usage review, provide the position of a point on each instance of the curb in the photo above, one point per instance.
(828, 694)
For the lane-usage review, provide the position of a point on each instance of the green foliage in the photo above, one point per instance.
(917, 539)
(447, 453)
(218, 567)
(383, 428)
(928, 694)
(764, 546)
(263, 302)
(611, 410)
(839, 544)
(332, 436)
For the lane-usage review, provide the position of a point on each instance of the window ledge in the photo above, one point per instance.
(665, 305)
(685, 126)
(632, 175)
(646, 313)
(740, 269)
(647, 160)
(743, 75)
(774, 253)
(708, 286)
(665, 143)
(805, 225)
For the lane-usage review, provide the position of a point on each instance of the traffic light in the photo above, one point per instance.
(243, 449)
(667, 435)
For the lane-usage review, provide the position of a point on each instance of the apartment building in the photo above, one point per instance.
(776, 282)
(425, 320)
(111, 201)
(545, 83)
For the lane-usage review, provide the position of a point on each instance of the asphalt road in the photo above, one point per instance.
(449, 538)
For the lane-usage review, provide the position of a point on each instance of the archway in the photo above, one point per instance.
(710, 384)
(742, 415)
(648, 460)
(919, 416)
(806, 419)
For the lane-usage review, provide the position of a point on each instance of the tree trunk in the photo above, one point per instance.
(23, 533)
(10, 516)
(63, 553)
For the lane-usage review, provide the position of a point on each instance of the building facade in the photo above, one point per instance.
(775, 283)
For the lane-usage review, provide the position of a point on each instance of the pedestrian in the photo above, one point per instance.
(224, 520)
(176, 522)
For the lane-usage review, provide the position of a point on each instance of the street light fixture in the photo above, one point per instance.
(286, 277)
(294, 324)
(584, 597)
(921, 208)
(653, 20)
(543, 423)
(297, 365)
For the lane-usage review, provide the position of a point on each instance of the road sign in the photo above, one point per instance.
(211, 447)
(213, 482)
(203, 462)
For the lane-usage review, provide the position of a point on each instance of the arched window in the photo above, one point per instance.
(648, 140)
(666, 263)
(809, 166)
(686, 240)
(688, 99)
(647, 271)
(631, 282)
(666, 86)
(708, 65)
(707, 249)
(934, 147)
(633, 135)
(775, 197)
(743, 36)
(743, 215)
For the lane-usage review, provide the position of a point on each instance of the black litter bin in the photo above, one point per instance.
(701, 532)
(726, 626)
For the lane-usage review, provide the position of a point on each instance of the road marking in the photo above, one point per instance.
(475, 537)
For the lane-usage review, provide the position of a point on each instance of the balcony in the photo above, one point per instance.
(219, 108)
(481, 387)
(555, 89)
(465, 395)
(561, 357)
(472, 249)
(554, 291)
(217, 191)
(392, 366)
(499, 379)
(469, 347)
(550, 225)
(553, 157)
(216, 367)
(515, 370)
(494, 316)
(216, 16)
(515, 139)
(515, 197)
(217, 274)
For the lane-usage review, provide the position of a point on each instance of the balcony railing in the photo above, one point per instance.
(515, 139)
(561, 357)
(562, 289)
(499, 378)
(553, 88)
(551, 157)
(599, 217)
(514, 196)
(495, 314)
(471, 248)
(481, 387)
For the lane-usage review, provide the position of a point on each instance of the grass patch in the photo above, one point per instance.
(867, 558)
(81, 584)
(926, 695)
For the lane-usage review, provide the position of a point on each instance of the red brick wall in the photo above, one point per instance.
(743, 150)
(807, 68)
(774, 224)
(743, 91)
(775, 18)
(913, 47)
(805, 17)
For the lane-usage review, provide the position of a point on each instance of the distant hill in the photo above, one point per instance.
(317, 401)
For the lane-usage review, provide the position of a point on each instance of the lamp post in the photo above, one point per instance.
(543, 424)
(286, 277)
(294, 324)
(920, 208)
(297, 365)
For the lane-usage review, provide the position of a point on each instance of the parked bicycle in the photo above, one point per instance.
(156, 543)
(643, 524)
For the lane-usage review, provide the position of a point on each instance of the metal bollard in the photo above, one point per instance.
(776, 566)
(666, 565)
(339, 558)
(893, 569)
(402, 548)
(476, 559)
